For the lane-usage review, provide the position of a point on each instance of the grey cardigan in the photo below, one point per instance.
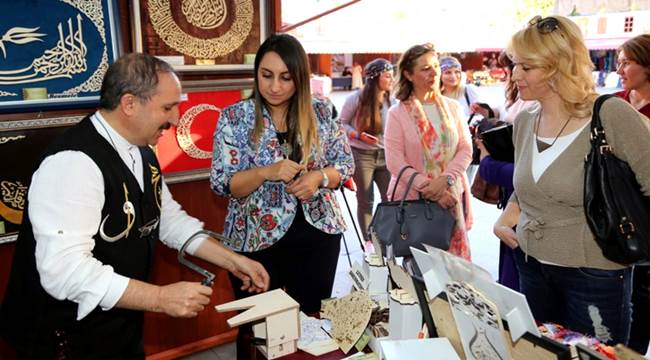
(552, 225)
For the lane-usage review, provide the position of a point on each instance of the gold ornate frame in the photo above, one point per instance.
(181, 41)
(32, 136)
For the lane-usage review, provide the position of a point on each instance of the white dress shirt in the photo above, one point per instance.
(66, 197)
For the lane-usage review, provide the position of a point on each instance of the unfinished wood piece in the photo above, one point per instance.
(259, 306)
(281, 325)
(625, 353)
(402, 278)
(375, 244)
(349, 316)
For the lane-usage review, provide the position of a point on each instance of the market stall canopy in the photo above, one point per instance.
(388, 26)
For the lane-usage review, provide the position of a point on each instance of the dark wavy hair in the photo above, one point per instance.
(511, 88)
(407, 64)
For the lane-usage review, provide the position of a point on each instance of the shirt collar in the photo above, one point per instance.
(118, 140)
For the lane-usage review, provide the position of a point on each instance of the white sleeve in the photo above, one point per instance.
(176, 226)
(66, 197)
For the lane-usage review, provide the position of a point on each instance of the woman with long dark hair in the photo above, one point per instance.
(364, 117)
(278, 156)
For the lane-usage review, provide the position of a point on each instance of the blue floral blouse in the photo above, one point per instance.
(257, 221)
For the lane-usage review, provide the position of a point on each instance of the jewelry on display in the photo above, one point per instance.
(542, 145)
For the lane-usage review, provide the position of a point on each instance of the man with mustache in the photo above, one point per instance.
(96, 206)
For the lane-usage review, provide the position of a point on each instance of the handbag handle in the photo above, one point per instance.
(399, 176)
(597, 135)
(428, 213)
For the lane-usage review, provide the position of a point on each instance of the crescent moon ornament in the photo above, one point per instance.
(129, 210)
(183, 131)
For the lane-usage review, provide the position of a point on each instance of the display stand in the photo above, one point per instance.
(440, 269)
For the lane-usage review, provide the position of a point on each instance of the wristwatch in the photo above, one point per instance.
(326, 180)
(450, 181)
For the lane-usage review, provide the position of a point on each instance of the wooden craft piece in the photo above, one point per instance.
(478, 322)
(281, 326)
(402, 278)
(375, 244)
(625, 353)
(349, 316)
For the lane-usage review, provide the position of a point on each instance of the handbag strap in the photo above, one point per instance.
(408, 188)
(399, 176)
(597, 135)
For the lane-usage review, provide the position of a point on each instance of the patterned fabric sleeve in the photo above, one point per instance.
(334, 143)
(227, 156)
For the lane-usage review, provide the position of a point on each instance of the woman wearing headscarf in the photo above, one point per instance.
(428, 132)
(364, 117)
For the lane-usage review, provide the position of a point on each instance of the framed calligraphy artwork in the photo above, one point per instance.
(57, 59)
(22, 142)
(185, 151)
(201, 35)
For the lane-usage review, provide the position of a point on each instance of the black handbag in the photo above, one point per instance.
(405, 223)
(498, 142)
(477, 128)
(617, 212)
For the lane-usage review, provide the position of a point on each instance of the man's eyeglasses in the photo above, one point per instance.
(544, 25)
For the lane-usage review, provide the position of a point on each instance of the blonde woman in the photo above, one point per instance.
(562, 271)
(428, 132)
(278, 156)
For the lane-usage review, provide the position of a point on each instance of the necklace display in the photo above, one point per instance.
(542, 145)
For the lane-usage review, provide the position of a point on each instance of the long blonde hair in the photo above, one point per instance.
(301, 119)
(561, 53)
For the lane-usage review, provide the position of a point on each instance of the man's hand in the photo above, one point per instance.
(182, 299)
(252, 274)
(305, 187)
(284, 170)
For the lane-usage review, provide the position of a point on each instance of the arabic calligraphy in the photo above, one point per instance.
(164, 25)
(65, 59)
(7, 93)
(183, 131)
(13, 194)
(19, 35)
(6, 139)
(205, 14)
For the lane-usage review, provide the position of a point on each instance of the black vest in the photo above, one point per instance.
(41, 326)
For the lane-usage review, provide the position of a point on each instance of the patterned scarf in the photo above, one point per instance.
(439, 150)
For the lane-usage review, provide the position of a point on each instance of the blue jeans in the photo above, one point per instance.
(590, 301)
